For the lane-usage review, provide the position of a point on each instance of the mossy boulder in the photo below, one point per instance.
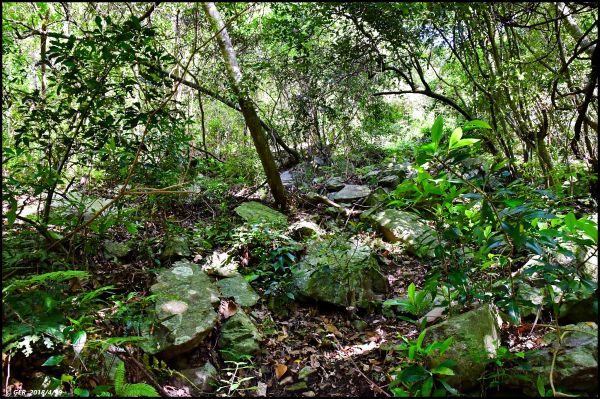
(175, 246)
(576, 363)
(334, 183)
(406, 227)
(340, 272)
(476, 337)
(115, 250)
(204, 379)
(184, 309)
(239, 336)
(254, 212)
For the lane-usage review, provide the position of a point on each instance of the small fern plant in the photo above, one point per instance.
(123, 389)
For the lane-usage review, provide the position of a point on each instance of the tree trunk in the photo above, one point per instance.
(234, 74)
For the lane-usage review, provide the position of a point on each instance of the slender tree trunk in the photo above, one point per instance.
(252, 120)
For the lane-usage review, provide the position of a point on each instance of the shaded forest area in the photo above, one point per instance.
(299, 199)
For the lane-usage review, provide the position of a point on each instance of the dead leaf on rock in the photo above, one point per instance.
(227, 308)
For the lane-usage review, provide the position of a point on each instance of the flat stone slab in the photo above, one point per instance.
(185, 309)
(351, 192)
(238, 288)
(334, 183)
(407, 228)
(255, 212)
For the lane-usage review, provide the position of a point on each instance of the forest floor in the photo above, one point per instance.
(349, 352)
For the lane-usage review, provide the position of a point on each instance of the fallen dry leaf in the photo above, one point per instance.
(332, 329)
(227, 308)
(280, 370)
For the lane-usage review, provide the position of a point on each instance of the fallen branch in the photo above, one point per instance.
(316, 198)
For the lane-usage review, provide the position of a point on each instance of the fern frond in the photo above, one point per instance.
(124, 389)
(119, 377)
(136, 390)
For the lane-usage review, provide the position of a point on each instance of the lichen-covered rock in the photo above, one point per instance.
(239, 336)
(305, 228)
(389, 181)
(185, 309)
(255, 212)
(175, 245)
(575, 305)
(238, 288)
(476, 336)
(576, 365)
(405, 227)
(351, 192)
(115, 250)
(220, 264)
(377, 197)
(203, 379)
(334, 183)
(339, 272)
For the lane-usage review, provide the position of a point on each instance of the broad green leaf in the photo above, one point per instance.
(476, 124)
(411, 292)
(427, 386)
(411, 352)
(53, 360)
(590, 229)
(442, 370)
(400, 393)
(421, 338)
(436, 132)
(455, 137)
(98, 21)
(449, 388)
(84, 393)
(540, 386)
(570, 220)
(79, 340)
(465, 142)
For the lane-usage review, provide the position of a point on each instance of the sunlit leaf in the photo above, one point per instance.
(79, 340)
(436, 132)
(54, 360)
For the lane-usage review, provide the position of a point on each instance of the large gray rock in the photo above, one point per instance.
(576, 365)
(405, 227)
(255, 212)
(476, 336)
(351, 192)
(238, 288)
(239, 336)
(339, 272)
(287, 178)
(185, 309)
